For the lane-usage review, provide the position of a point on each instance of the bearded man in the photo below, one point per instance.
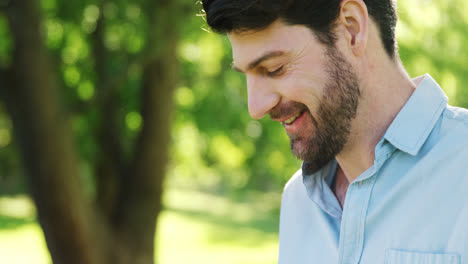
(384, 177)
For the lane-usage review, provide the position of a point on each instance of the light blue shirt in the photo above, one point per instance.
(409, 207)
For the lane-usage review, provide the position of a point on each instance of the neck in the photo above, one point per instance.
(384, 91)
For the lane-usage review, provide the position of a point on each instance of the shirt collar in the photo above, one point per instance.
(411, 127)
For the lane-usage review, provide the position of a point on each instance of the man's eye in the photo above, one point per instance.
(275, 72)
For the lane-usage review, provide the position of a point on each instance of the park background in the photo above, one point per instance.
(139, 87)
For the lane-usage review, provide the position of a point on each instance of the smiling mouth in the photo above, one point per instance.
(291, 120)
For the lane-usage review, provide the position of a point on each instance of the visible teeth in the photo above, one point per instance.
(292, 119)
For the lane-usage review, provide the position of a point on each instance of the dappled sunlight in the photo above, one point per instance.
(54, 32)
(21, 238)
(72, 76)
(23, 245)
(76, 47)
(190, 52)
(230, 245)
(250, 206)
(211, 229)
(85, 90)
(211, 53)
(215, 229)
(5, 137)
(226, 152)
(184, 97)
(134, 121)
(90, 17)
(20, 206)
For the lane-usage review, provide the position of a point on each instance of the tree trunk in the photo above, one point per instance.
(45, 141)
(129, 200)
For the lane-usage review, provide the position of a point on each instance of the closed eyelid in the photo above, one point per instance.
(265, 58)
(262, 60)
(276, 71)
(273, 66)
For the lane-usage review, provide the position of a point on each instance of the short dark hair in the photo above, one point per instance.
(225, 16)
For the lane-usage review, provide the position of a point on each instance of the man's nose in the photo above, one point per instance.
(261, 97)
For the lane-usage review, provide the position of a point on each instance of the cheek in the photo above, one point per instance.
(303, 87)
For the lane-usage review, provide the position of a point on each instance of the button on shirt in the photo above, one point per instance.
(409, 207)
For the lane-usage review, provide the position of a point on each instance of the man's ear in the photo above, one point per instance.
(355, 19)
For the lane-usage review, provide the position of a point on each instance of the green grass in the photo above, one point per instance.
(194, 228)
(202, 228)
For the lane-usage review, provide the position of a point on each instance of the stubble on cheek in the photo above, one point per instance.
(331, 127)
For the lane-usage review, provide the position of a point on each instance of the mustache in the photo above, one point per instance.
(287, 109)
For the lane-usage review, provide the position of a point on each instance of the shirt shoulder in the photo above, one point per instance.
(453, 126)
(457, 114)
(294, 191)
(448, 140)
(294, 182)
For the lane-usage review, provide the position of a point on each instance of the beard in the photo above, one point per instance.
(332, 122)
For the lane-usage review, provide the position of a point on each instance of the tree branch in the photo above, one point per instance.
(110, 162)
(140, 201)
(4, 83)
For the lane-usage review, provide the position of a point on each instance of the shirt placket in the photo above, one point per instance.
(353, 220)
(356, 206)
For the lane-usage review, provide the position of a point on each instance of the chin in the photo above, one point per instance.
(301, 149)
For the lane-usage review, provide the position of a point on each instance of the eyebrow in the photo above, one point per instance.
(264, 57)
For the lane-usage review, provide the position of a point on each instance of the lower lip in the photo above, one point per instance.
(294, 126)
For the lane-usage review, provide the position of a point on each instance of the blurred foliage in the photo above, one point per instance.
(432, 37)
(216, 146)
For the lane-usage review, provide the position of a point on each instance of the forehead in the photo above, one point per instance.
(278, 36)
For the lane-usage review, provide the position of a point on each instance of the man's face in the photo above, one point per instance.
(308, 87)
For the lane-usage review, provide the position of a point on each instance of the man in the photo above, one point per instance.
(384, 177)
